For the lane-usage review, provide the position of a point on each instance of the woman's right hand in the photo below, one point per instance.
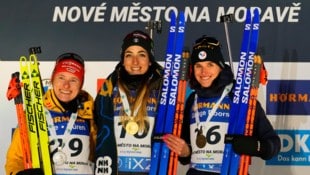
(177, 145)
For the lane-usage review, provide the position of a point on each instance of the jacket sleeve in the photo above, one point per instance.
(185, 133)
(14, 158)
(93, 130)
(104, 119)
(265, 133)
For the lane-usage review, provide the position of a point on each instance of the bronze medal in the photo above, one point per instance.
(200, 138)
(59, 158)
(132, 127)
(201, 141)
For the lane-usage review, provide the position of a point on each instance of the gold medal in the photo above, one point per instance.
(132, 127)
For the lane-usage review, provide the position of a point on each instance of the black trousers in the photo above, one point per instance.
(192, 171)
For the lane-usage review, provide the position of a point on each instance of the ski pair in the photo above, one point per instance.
(28, 96)
(241, 98)
(179, 113)
(259, 77)
(162, 161)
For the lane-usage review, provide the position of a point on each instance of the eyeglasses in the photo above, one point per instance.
(70, 56)
(205, 41)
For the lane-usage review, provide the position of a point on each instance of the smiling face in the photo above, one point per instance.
(66, 86)
(136, 60)
(206, 72)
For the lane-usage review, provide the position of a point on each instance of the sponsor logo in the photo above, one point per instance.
(288, 97)
(294, 148)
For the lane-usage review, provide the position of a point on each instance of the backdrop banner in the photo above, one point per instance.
(95, 29)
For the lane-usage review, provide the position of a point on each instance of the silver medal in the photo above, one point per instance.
(59, 158)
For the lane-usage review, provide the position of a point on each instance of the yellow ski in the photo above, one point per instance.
(37, 125)
(30, 115)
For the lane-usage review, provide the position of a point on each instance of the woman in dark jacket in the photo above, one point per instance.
(126, 108)
(205, 124)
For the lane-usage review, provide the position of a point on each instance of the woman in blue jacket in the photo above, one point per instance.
(205, 124)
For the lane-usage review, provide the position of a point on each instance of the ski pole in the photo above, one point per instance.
(14, 91)
(225, 19)
(152, 25)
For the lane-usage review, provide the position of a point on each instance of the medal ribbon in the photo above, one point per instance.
(214, 108)
(52, 129)
(126, 104)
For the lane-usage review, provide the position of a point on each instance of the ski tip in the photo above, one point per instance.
(254, 11)
(248, 17)
(23, 58)
(172, 15)
(33, 59)
(181, 14)
(181, 17)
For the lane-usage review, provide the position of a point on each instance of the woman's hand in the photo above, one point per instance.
(177, 145)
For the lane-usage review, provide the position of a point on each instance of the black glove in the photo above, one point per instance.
(242, 144)
(32, 171)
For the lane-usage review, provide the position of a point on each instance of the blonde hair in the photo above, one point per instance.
(141, 99)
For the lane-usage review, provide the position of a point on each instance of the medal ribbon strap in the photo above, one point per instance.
(52, 129)
(126, 104)
(214, 108)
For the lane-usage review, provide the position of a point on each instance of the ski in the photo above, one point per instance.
(168, 98)
(36, 119)
(248, 78)
(29, 110)
(171, 106)
(159, 127)
(178, 119)
(14, 91)
(240, 104)
(259, 77)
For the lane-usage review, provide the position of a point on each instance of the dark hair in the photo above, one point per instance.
(139, 38)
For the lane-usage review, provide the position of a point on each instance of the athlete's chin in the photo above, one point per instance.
(65, 98)
(136, 73)
(205, 84)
